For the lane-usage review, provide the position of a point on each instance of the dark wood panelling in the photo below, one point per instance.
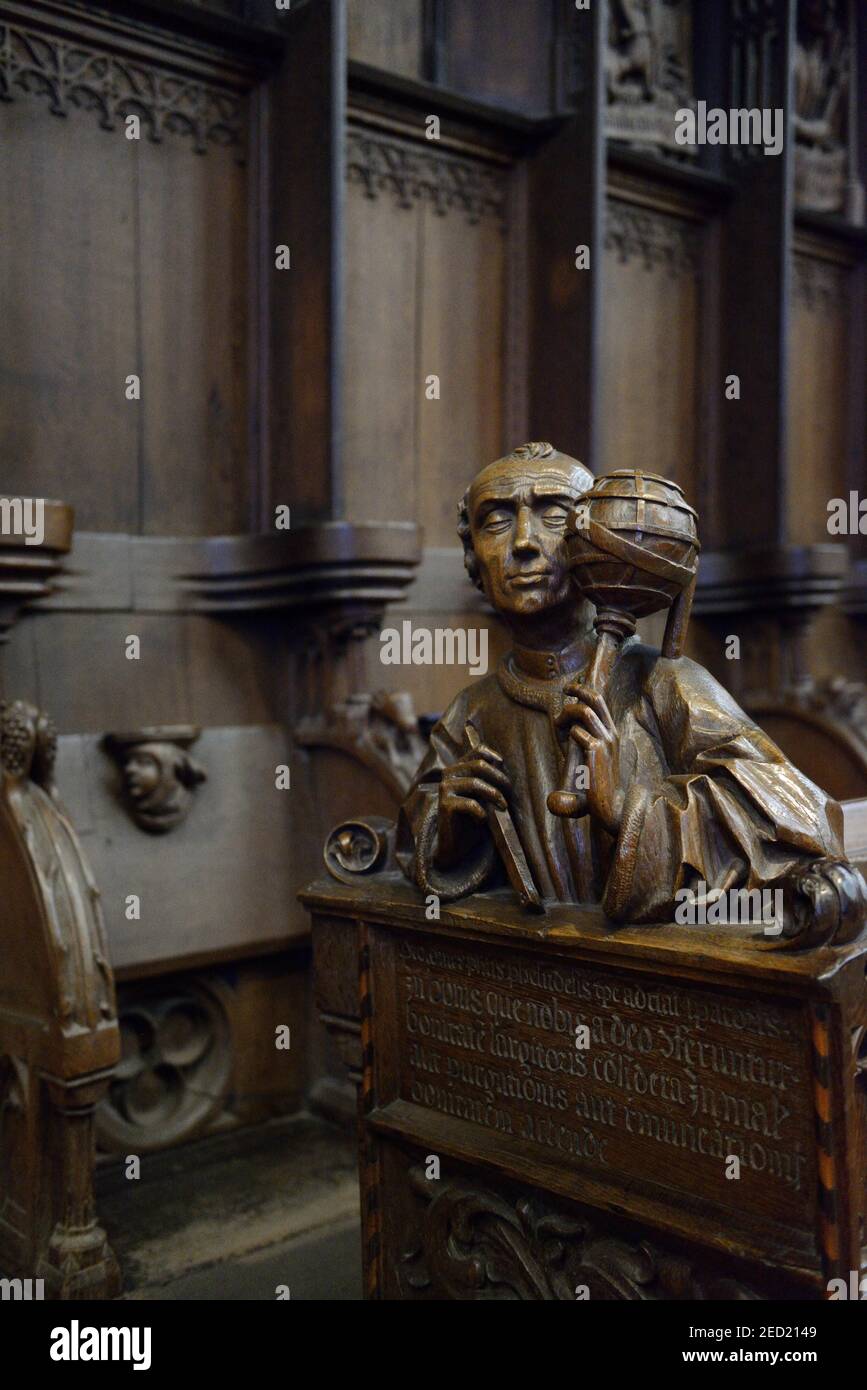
(69, 282)
(756, 278)
(382, 379)
(502, 53)
(236, 672)
(819, 365)
(130, 258)
(84, 674)
(427, 246)
(432, 687)
(387, 34)
(566, 189)
(650, 342)
(208, 887)
(462, 342)
(193, 296)
(306, 201)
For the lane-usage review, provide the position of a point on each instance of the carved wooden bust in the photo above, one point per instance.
(681, 796)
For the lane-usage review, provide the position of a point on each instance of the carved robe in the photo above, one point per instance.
(708, 795)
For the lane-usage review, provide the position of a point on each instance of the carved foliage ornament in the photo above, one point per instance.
(28, 743)
(820, 286)
(380, 731)
(652, 238)
(71, 75)
(412, 173)
(476, 1244)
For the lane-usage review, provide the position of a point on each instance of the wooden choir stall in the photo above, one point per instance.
(603, 985)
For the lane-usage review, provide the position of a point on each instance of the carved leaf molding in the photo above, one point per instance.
(411, 174)
(819, 285)
(658, 241)
(72, 75)
(474, 1244)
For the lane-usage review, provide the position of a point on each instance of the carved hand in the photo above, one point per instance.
(467, 788)
(593, 728)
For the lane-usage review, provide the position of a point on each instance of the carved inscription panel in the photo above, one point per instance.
(639, 1082)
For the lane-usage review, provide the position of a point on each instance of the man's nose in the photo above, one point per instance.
(525, 535)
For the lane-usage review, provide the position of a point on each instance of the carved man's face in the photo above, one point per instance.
(517, 512)
(142, 773)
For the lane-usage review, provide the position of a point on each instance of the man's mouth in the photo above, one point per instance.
(530, 579)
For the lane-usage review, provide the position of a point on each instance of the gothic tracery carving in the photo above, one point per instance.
(653, 238)
(70, 74)
(411, 173)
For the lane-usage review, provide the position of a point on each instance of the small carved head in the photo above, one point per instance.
(159, 775)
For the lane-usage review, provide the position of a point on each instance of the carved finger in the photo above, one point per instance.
(597, 703)
(585, 738)
(484, 751)
(477, 767)
(570, 712)
(474, 786)
(591, 721)
(460, 805)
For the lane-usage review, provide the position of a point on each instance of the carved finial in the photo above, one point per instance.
(28, 742)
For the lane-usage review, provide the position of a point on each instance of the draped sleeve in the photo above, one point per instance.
(723, 806)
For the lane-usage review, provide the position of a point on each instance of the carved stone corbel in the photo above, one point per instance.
(380, 731)
(158, 774)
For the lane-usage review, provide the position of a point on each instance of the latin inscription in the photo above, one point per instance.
(681, 1076)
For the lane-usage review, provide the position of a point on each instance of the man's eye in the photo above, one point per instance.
(497, 521)
(555, 517)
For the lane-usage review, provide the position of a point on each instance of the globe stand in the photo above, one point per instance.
(633, 550)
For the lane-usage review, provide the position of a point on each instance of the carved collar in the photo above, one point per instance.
(537, 679)
(547, 666)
